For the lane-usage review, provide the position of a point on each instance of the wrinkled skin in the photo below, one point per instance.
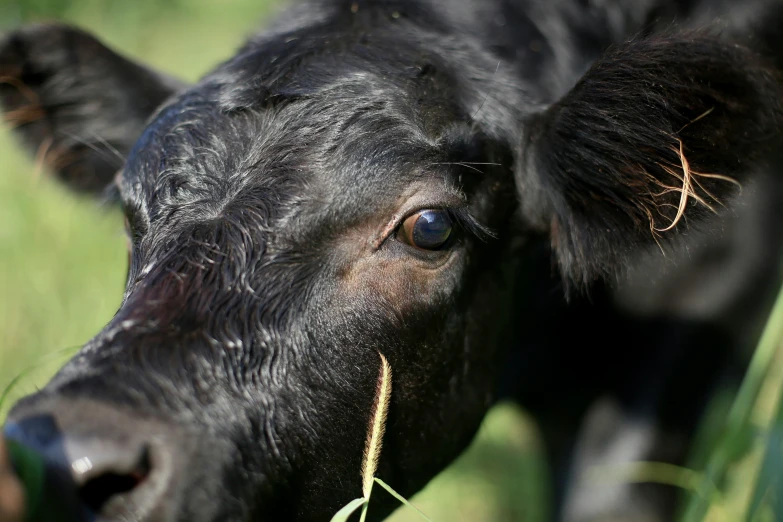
(273, 256)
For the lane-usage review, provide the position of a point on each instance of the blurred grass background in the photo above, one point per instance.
(62, 268)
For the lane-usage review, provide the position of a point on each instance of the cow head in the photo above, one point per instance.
(309, 206)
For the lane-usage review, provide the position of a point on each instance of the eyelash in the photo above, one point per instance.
(466, 221)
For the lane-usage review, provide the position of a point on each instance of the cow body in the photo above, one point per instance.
(478, 190)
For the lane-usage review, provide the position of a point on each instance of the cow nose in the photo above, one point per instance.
(92, 472)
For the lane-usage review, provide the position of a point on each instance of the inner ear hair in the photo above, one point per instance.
(656, 136)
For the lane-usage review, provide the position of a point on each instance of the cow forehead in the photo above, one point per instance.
(225, 192)
(348, 147)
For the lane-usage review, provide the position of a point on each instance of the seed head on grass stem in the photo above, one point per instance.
(374, 443)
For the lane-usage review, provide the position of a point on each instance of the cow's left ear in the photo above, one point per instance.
(78, 105)
(659, 131)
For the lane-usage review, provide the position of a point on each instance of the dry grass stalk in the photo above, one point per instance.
(374, 443)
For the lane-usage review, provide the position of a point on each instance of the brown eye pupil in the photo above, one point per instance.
(429, 229)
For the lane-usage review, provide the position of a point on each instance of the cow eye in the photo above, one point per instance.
(427, 229)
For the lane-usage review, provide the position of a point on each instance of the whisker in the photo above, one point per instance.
(473, 118)
(92, 146)
(471, 167)
(468, 165)
(465, 163)
(110, 147)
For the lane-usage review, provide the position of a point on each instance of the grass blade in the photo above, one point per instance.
(401, 498)
(348, 510)
(739, 417)
(68, 351)
(649, 472)
(366, 507)
(766, 493)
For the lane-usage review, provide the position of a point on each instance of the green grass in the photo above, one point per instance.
(62, 268)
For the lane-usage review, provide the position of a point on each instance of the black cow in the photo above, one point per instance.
(428, 180)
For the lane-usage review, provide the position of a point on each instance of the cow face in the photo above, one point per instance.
(301, 212)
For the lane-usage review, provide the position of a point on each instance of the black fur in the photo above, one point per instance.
(598, 158)
(267, 270)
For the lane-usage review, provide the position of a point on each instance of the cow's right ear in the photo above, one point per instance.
(660, 132)
(78, 105)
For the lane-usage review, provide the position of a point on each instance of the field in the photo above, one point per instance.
(62, 264)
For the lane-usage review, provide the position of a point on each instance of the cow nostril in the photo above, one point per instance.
(106, 467)
(100, 489)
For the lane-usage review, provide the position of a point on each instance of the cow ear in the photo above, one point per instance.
(78, 105)
(659, 132)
